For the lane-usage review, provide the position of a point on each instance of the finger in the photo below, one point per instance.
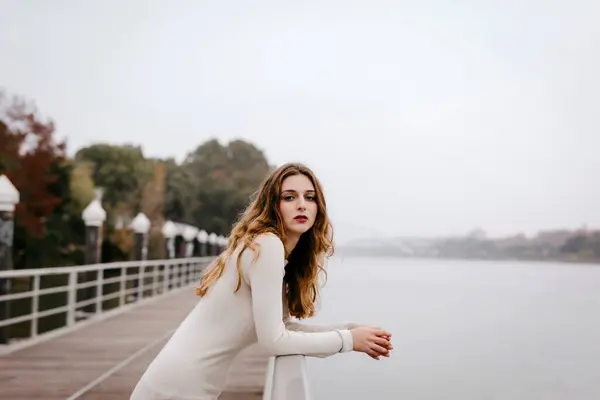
(373, 354)
(379, 349)
(381, 341)
(387, 355)
(382, 332)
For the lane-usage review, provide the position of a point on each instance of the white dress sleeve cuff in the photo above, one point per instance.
(347, 341)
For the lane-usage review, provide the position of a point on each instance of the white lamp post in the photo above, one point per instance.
(9, 197)
(141, 227)
(203, 239)
(169, 230)
(189, 235)
(212, 239)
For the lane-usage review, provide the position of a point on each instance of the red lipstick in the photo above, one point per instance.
(301, 218)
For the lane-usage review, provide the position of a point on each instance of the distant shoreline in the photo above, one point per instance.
(341, 251)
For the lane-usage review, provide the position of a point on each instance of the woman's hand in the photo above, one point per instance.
(373, 341)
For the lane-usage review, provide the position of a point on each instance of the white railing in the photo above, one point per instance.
(287, 379)
(83, 292)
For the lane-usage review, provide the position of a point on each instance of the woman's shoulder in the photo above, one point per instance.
(268, 245)
(265, 244)
(268, 239)
(266, 250)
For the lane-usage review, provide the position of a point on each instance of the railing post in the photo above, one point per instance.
(155, 280)
(9, 197)
(175, 276)
(99, 290)
(35, 301)
(123, 286)
(71, 298)
(180, 268)
(141, 271)
(184, 273)
(195, 270)
(188, 274)
(286, 378)
(166, 278)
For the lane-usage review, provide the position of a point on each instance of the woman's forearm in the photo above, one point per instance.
(294, 325)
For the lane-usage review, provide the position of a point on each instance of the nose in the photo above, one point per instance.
(301, 204)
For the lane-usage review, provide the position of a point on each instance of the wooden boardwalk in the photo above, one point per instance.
(105, 359)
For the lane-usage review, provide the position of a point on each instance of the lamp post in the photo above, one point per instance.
(141, 227)
(93, 216)
(212, 239)
(222, 243)
(189, 235)
(203, 239)
(169, 230)
(9, 197)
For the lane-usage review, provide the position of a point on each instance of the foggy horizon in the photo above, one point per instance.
(424, 119)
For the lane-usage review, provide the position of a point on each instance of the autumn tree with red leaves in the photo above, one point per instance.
(29, 156)
(48, 225)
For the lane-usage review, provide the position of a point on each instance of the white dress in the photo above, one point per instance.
(194, 363)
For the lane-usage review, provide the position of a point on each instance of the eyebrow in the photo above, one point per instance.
(295, 191)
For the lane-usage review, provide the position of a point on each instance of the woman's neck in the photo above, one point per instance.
(290, 243)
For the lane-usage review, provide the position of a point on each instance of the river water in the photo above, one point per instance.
(464, 330)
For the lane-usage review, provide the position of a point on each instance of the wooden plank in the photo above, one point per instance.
(58, 368)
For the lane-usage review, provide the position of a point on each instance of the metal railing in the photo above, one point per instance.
(83, 292)
(287, 379)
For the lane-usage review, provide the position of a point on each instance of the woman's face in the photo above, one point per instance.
(298, 204)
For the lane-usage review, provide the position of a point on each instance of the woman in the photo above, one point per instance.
(254, 291)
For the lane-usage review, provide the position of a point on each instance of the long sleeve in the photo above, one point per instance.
(265, 277)
(293, 324)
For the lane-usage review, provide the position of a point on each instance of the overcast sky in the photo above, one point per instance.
(423, 117)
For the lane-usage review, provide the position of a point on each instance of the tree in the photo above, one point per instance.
(47, 231)
(31, 158)
(152, 205)
(121, 171)
(575, 244)
(221, 180)
(81, 185)
(180, 190)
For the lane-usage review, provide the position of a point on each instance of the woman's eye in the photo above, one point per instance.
(288, 198)
(311, 198)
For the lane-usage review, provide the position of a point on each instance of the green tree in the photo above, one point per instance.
(222, 178)
(81, 185)
(121, 171)
(180, 200)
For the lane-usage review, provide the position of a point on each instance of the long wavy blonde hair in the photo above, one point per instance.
(304, 262)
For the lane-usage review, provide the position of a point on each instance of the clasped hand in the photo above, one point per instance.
(375, 342)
